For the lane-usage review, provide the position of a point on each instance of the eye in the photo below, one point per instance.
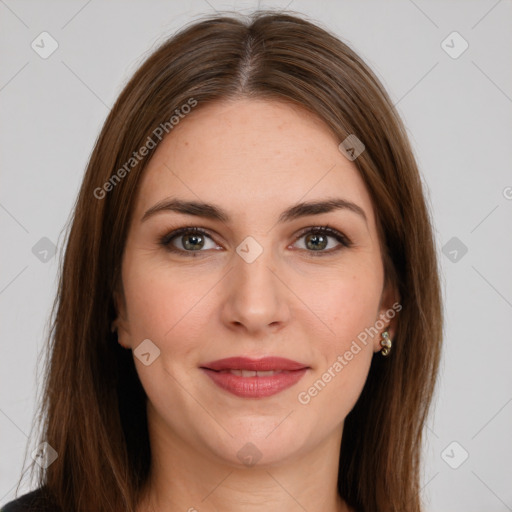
(193, 240)
(187, 239)
(317, 239)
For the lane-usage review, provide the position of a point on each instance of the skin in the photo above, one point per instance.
(253, 158)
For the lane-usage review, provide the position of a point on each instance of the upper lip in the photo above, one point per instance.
(263, 364)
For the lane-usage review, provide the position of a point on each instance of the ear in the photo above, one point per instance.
(120, 323)
(387, 318)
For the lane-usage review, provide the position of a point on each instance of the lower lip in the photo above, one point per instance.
(255, 387)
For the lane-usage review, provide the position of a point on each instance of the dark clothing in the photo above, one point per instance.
(35, 501)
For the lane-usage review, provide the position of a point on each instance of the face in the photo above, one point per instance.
(252, 283)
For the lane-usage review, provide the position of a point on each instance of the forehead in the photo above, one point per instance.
(250, 155)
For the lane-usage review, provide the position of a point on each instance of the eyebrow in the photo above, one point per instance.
(210, 211)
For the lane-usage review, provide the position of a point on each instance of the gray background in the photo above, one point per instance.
(458, 115)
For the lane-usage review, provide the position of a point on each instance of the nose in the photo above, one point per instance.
(256, 297)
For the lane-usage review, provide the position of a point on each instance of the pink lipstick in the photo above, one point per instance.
(255, 378)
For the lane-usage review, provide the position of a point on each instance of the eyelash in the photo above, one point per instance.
(166, 240)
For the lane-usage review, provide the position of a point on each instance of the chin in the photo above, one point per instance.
(257, 453)
(260, 442)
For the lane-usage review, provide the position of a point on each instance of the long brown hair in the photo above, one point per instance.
(93, 407)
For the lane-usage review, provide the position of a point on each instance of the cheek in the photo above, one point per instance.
(346, 306)
(353, 309)
(349, 308)
(161, 302)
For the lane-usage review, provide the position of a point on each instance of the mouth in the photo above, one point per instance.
(251, 373)
(254, 378)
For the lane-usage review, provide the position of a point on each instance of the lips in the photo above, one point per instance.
(257, 365)
(255, 378)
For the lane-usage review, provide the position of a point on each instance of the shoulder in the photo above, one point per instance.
(35, 501)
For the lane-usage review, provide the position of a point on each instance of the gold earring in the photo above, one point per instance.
(385, 343)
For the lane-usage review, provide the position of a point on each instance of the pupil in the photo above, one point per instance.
(316, 244)
(192, 245)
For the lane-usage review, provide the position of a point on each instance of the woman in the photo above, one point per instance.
(249, 311)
